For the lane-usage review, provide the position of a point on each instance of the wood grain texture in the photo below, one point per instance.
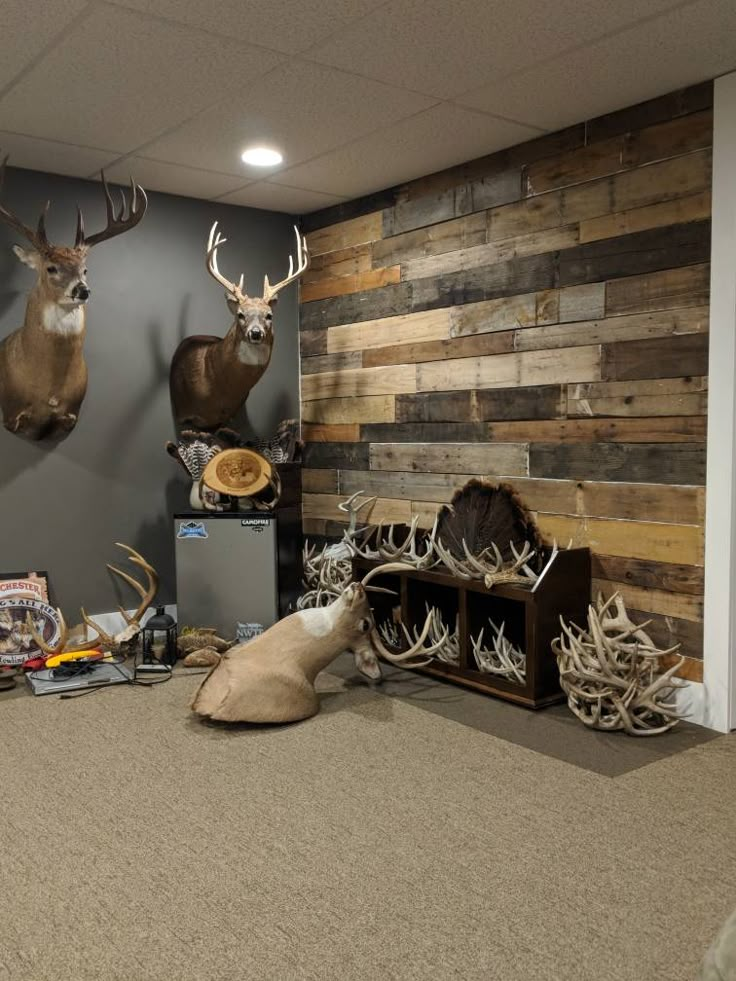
(510, 370)
(338, 411)
(502, 458)
(680, 605)
(693, 207)
(425, 432)
(345, 234)
(687, 429)
(652, 541)
(337, 433)
(332, 456)
(341, 285)
(650, 575)
(643, 398)
(331, 362)
(430, 325)
(664, 290)
(326, 506)
(658, 463)
(319, 481)
(461, 347)
(359, 381)
(655, 357)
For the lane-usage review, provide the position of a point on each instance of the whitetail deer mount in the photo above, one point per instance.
(211, 377)
(43, 374)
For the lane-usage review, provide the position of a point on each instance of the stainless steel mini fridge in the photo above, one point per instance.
(226, 569)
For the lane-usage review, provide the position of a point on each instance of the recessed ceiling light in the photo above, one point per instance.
(261, 156)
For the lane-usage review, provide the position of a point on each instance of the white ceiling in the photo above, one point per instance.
(357, 94)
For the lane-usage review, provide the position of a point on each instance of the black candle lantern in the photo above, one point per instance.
(160, 629)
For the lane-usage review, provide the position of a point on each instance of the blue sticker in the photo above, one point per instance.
(192, 529)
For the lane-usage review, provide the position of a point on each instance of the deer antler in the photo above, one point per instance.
(214, 241)
(270, 293)
(117, 221)
(41, 643)
(38, 238)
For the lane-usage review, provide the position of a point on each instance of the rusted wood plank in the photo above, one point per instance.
(348, 432)
(343, 285)
(693, 207)
(460, 233)
(625, 255)
(504, 458)
(345, 234)
(693, 99)
(629, 327)
(650, 540)
(658, 357)
(643, 502)
(534, 402)
(312, 343)
(331, 362)
(319, 481)
(334, 456)
(664, 290)
(650, 575)
(369, 408)
(386, 301)
(424, 432)
(459, 347)
(358, 382)
(511, 370)
(650, 463)
(686, 429)
(437, 407)
(680, 605)
(429, 325)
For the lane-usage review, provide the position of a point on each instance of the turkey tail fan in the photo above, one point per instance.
(481, 513)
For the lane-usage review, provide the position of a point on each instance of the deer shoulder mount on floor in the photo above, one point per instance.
(211, 377)
(43, 374)
(271, 677)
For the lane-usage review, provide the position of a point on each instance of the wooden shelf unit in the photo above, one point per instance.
(531, 617)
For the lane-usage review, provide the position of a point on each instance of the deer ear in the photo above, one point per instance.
(29, 257)
(232, 303)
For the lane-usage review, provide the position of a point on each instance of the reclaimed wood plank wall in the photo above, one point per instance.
(539, 315)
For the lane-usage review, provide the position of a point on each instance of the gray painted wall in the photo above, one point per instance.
(62, 507)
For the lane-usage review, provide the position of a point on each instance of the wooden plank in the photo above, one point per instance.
(344, 262)
(682, 102)
(668, 631)
(649, 540)
(312, 342)
(319, 481)
(664, 290)
(693, 207)
(495, 315)
(628, 327)
(503, 458)
(387, 301)
(690, 668)
(429, 325)
(656, 357)
(371, 408)
(585, 302)
(670, 179)
(524, 275)
(331, 362)
(356, 231)
(615, 399)
(384, 509)
(511, 370)
(424, 432)
(688, 429)
(670, 138)
(334, 456)
(338, 433)
(534, 243)
(342, 285)
(670, 503)
(659, 601)
(359, 381)
(535, 402)
(649, 463)
(649, 251)
(437, 407)
(460, 347)
(650, 575)
(524, 217)
(461, 233)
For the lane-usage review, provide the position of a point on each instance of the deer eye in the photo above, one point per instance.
(269, 317)
(364, 626)
(241, 317)
(84, 272)
(52, 269)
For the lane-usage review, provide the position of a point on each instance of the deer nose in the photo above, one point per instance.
(82, 291)
(256, 334)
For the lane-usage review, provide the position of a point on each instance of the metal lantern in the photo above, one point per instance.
(160, 629)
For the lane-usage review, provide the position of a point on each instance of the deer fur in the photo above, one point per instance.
(211, 377)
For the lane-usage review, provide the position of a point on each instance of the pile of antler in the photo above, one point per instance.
(502, 658)
(611, 673)
(102, 639)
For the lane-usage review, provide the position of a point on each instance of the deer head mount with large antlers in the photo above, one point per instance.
(211, 377)
(43, 374)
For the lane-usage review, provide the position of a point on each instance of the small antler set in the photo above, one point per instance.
(133, 621)
(270, 293)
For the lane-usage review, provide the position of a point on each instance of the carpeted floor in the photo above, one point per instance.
(377, 841)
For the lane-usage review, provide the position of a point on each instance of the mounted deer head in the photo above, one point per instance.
(211, 377)
(43, 375)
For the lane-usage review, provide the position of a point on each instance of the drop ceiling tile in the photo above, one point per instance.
(288, 25)
(54, 158)
(301, 109)
(277, 197)
(48, 17)
(688, 45)
(172, 179)
(445, 49)
(432, 140)
(121, 79)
